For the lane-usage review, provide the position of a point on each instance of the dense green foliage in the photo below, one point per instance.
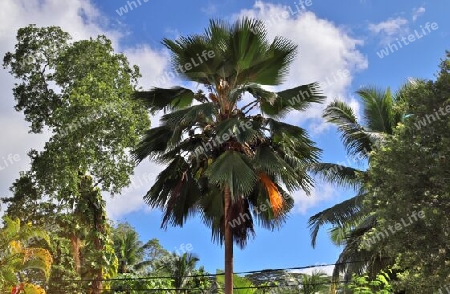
(363, 285)
(158, 268)
(81, 93)
(410, 176)
(130, 283)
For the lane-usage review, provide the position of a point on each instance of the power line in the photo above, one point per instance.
(220, 274)
(234, 288)
(217, 274)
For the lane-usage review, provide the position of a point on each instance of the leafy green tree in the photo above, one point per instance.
(26, 204)
(242, 285)
(153, 252)
(18, 255)
(282, 281)
(200, 282)
(130, 283)
(409, 185)
(223, 158)
(87, 109)
(363, 285)
(81, 92)
(382, 112)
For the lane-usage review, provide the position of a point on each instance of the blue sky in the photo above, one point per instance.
(332, 39)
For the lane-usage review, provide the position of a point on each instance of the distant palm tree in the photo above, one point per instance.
(179, 267)
(224, 158)
(131, 252)
(317, 282)
(350, 221)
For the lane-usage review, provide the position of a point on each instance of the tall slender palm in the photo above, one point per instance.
(381, 114)
(223, 158)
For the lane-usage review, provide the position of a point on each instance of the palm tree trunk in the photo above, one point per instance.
(228, 243)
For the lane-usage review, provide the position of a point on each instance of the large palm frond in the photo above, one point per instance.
(357, 259)
(340, 175)
(353, 135)
(166, 99)
(298, 98)
(176, 192)
(348, 211)
(379, 113)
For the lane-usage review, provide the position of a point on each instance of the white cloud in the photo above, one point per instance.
(131, 198)
(390, 29)
(417, 12)
(78, 17)
(153, 65)
(15, 141)
(319, 194)
(210, 9)
(172, 33)
(327, 53)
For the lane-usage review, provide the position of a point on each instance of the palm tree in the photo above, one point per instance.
(131, 252)
(382, 112)
(128, 247)
(179, 267)
(317, 282)
(224, 158)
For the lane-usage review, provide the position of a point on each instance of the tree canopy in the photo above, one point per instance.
(80, 93)
(410, 188)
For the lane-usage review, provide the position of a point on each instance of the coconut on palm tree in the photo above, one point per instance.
(349, 220)
(225, 153)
